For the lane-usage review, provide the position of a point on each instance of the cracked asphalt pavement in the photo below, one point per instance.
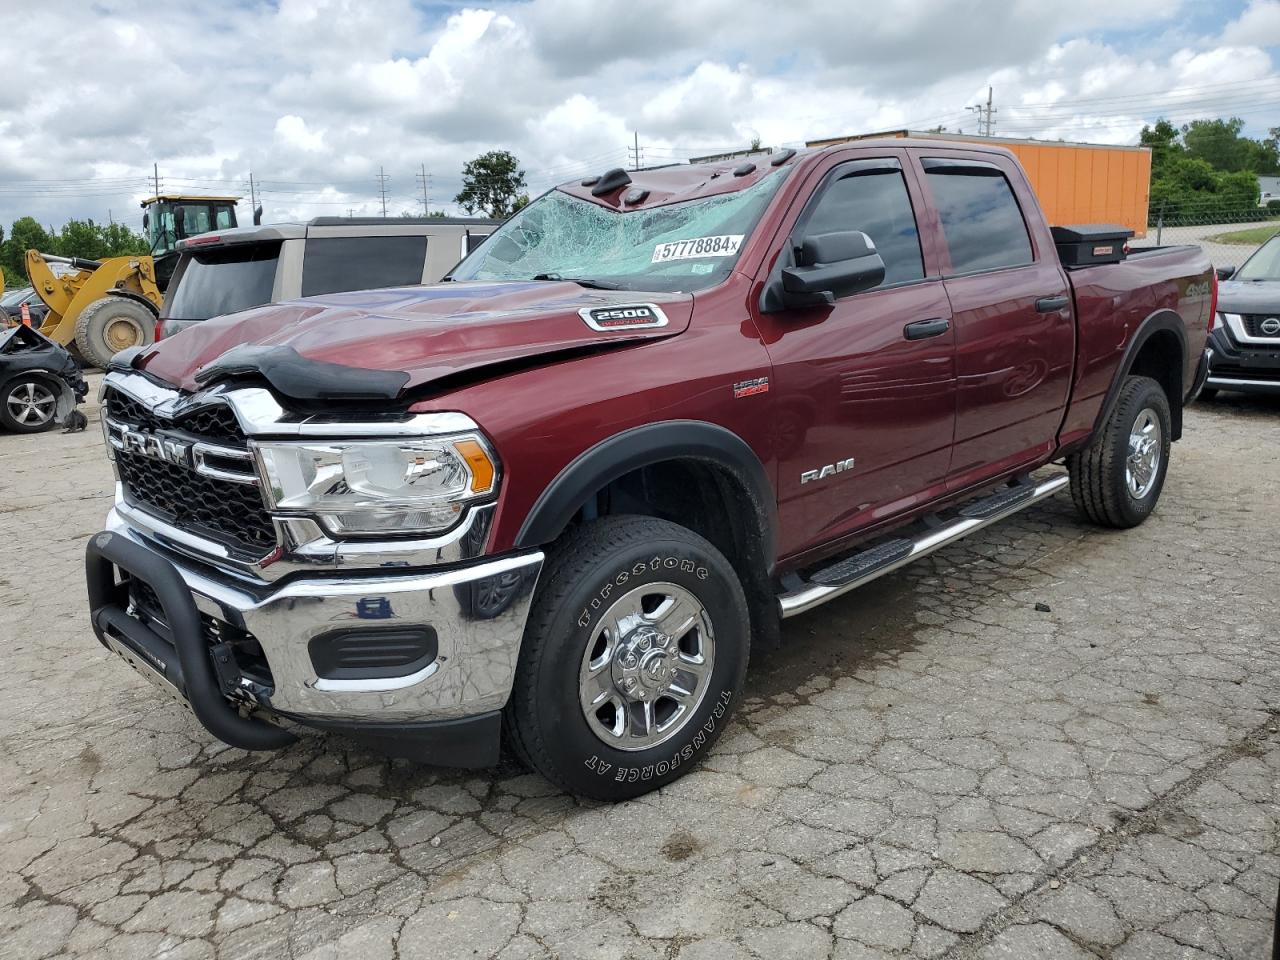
(934, 766)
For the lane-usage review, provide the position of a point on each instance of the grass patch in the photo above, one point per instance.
(1253, 236)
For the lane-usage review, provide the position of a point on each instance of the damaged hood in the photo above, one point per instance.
(379, 344)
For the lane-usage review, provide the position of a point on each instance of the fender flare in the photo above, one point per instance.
(136, 298)
(643, 446)
(1156, 322)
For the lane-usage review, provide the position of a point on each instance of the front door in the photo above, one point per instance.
(866, 385)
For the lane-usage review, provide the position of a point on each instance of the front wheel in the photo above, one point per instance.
(1116, 480)
(107, 326)
(28, 404)
(633, 657)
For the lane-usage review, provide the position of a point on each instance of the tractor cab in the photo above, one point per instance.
(170, 217)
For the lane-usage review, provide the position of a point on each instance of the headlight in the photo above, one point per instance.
(379, 486)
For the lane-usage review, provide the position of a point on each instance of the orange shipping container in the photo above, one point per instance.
(1075, 182)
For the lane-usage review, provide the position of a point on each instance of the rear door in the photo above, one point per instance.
(865, 387)
(1010, 308)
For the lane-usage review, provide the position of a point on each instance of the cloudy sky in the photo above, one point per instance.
(314, 96)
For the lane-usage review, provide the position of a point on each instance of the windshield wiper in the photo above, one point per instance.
(580, 281)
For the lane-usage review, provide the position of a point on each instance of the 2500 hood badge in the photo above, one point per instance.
(627, 317)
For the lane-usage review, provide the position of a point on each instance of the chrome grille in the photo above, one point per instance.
(229, 512)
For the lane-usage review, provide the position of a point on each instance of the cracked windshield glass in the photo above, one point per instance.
(678, 247)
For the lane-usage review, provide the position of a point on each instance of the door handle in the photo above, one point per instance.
(1051, 304)
(923, 329)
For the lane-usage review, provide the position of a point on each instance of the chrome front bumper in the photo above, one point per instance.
(478, 612)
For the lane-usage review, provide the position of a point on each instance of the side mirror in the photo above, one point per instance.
(828, 266)
(257, 216)
(1225, 273)
(146, 221)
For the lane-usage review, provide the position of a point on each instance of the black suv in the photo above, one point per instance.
(1246, 339)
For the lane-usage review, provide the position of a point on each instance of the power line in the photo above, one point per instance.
(985, 116)
(424, 179)
(382, 188)
(633, 153)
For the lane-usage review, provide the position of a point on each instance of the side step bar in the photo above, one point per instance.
(862, 568)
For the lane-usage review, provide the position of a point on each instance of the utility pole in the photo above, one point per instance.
(635, 151)
(382, 188)
(350, 213)
(986, 116)
(253, 196)
(423, 178)
(155, 172)
(110, 219)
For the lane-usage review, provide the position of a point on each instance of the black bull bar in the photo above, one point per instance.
(185, 665)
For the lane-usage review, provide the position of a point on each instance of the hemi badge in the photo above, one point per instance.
(749, 388)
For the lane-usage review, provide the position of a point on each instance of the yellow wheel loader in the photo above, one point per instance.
(100, 307)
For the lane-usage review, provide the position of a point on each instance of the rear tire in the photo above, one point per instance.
(107, 326)
(28, 404)
(633, 658)
(1116, 480)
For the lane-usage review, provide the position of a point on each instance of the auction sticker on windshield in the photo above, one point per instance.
(723, 246)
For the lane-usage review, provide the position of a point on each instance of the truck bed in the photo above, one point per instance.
(1113, 299)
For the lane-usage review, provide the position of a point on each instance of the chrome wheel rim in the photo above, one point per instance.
(647, 666)
(31, 404)
(1145, 448)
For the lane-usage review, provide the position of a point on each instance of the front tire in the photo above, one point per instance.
(28, 404)
(1116, 480)
(633, 658)
(107, 326)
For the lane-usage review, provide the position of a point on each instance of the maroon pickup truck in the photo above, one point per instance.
(561, 495)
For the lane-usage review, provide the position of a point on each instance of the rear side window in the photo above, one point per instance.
(981, 220)
(874, 201)
(337, 264)
(220, 281)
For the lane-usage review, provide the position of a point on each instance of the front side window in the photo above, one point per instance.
(981, 220)
(876, 202)
(339, 264)
(676, 247)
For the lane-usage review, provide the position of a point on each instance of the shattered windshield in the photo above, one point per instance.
(678, 247)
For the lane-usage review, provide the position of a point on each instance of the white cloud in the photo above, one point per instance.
(315, 95)
(1258, 26)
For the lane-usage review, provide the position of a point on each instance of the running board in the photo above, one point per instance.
(862, 568)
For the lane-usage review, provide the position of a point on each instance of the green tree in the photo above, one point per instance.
(1218, 143)
(1191, 190)
(120, 241)
(494, 184)
(1165, 142)
(25, 234)
(80, 238)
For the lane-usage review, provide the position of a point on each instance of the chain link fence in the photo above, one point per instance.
(1229, 239)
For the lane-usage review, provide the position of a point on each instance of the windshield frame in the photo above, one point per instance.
(1275, 252)
(721, 267)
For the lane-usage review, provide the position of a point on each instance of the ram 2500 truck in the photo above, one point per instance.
(562, 495)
